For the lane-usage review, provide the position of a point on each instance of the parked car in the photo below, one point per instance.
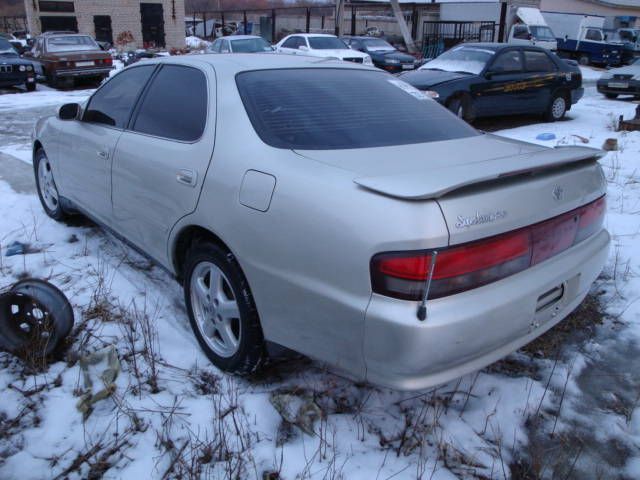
(321, 45)
(64, 57)
(241, 44)
(18, 44)
(389, 239)
(382, 53)
(621, 81)
(489, 79)
(15, 70)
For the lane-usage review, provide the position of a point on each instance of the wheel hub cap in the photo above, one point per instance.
(215, 309)
(47, 185)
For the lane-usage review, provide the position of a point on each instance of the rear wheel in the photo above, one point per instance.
(47, 189)
(462, 106)
(584, 60)
(221, 309)
(611, 95)
(557, 107)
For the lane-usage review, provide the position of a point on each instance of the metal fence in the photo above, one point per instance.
(12, 24)
(439, 36)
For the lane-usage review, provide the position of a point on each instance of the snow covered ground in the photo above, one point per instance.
(565, 407)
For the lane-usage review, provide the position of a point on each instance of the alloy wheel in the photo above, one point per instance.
(558, 108)
(215, 309)
(47, 185)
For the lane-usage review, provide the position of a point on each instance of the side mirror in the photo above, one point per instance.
(27, 53)
(488, 75)
(69, 111)
(304, 48)
(605, 37)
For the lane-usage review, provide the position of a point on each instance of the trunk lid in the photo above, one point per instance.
(485, 185)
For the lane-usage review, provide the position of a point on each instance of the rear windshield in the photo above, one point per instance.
(250, 45)
(71, 43)
(325, 109)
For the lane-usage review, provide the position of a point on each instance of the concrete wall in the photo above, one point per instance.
(125, 16)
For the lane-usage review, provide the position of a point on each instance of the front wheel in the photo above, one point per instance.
(30, 86)
(611, 95)
(462, 107)
(221, 310)
(557, 108)
(46, 185)
(584, 60)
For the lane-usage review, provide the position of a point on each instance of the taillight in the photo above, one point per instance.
(403, 275)
(107, 61)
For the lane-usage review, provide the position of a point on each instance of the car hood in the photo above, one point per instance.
(422, 171)
(13, 60)
(393, 54)
(628, 70)
(423, 79)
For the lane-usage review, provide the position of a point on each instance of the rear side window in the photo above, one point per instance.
(112, 103)
(508, 62)
(175, 105)
(538, 62)
(324, 109)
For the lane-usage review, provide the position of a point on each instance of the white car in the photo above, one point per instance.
(321, 45)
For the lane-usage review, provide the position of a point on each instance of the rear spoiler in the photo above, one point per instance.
(438, 182)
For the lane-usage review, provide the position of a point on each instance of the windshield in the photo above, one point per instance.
(542, 33)
(71, 43)
(461, 59)
(327, 43)
(378, 45)
(6, 47)
(250, 45)
(326, 109)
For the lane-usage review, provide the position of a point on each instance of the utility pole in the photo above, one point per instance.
(404, 29)
(339, 17)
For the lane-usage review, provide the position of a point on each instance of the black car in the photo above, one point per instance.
(383, 54)
(490, 79)
(13, 69)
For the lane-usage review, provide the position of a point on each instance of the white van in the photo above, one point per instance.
(530, 28)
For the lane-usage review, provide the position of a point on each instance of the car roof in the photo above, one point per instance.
(496, 46)
(233, 63)
(312, 35)
(241, 37)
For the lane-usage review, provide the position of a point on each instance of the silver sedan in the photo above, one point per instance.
(330, 208)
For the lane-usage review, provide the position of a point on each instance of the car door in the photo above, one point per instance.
(542, 81)
(162, 158)
(87, 146)
(503, 90)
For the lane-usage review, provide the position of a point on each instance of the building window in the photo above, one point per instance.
(52, 6)
(102, 26)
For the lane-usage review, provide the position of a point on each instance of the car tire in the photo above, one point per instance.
(584, 60)
(222, 313)
(611, 95)
(462, 107)
(30, 86)
(557, 107)
(46, 186)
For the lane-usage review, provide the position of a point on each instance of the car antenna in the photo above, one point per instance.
(422, 309)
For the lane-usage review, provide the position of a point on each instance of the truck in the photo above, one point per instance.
(528, 27)
(584, 38)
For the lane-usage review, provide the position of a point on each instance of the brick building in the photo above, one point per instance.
(149, 23)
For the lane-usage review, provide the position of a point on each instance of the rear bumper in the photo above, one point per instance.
(468, 331)
(84, 72)
(633, 87)
(576, 94)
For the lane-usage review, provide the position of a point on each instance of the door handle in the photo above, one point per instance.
(187, 177)
(103, 154)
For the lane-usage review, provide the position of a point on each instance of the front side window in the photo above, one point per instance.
(593, 34)
(325, 109)
(542, 33)
(508, 62)
(292, 42)
(521, 32)
(71, 43)
(538, 62)
(327, 43)
(112, 104)
(461, 59)
(175, 105)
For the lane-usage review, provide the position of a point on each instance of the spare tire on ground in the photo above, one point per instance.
(34, 317)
